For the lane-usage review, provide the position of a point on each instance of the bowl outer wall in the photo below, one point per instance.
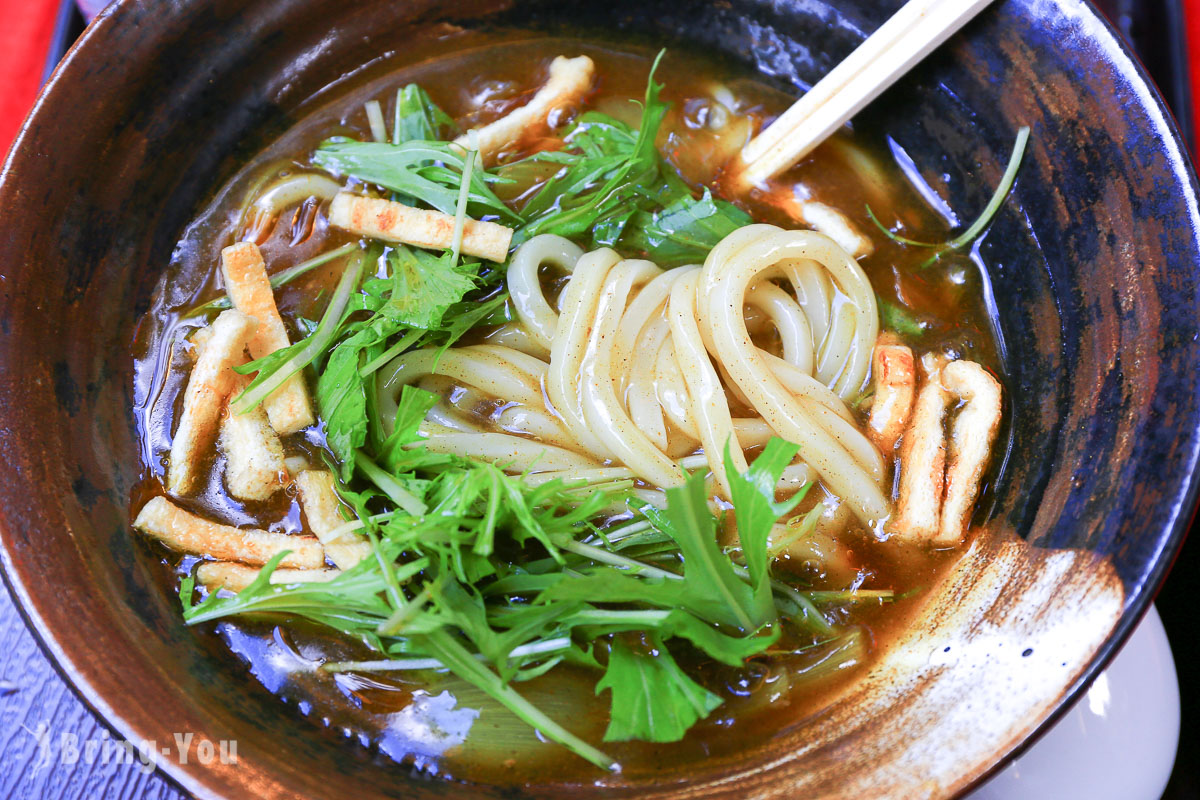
(77, 607)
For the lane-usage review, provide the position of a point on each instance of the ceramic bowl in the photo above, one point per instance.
(1094, 280)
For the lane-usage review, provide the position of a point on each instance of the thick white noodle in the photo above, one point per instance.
(525, 285)
(579, 300)
(516, 336)
(729, 271)
(636, 373)
(603, 410)
(640, 382)
(789, 320)
(710, 408)
(514, 453)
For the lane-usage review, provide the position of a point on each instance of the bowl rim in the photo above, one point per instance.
(191, 777)
(1187, 507)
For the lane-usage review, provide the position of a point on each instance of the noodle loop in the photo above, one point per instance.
(639, 367)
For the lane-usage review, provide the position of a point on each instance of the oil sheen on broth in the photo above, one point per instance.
(443, 725)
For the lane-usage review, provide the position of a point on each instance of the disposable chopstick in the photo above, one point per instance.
(913, 32)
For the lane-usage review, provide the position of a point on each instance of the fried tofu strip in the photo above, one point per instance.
(922, 462)
(823, 219)
(188, 533)
(392, 221)
(254, 464)
(837, 226)
(196, 341)
(288, 407)
(210, 383)
(236, 577)
(346, 554)
(895, 384)
(570, 79)
(971, 439)
(320, 504)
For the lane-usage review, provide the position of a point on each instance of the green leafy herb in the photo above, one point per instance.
(684, 231)
(436, 590)
(419, 118)
(428, 171)
(753, 495)
(653, 699)
(351, 603)
(414, 404)
(342, 401)
(612, 186)
(898, 319)
(713, 585)
(425, 286)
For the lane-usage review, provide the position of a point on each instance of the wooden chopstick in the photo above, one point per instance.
(913, 32)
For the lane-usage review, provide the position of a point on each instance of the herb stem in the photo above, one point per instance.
(605, 557)
(357, 525)
(281, 278)
(798, 532)
(397, 118)
(316, 344)
(459, 661)
(389, 485)
(404, 614)
(388, 568)
(808, 613)
(851, 595)
(375, 120)
(628, 530)
(598, 616)
(807, 610)
(464, 193)
(543, 647)
(406, 341)
(982, 221)
(1006, 183)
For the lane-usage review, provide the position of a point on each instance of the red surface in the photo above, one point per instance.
(26, 27)
(1191, 14)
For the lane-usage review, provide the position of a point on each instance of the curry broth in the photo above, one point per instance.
(439, 724)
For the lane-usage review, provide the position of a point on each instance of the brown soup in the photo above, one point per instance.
(436, 722)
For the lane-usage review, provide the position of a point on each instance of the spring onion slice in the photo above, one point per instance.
(375, 120)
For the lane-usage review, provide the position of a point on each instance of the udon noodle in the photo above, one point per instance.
(639, 367)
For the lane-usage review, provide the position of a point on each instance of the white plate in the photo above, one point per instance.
(1118, 742)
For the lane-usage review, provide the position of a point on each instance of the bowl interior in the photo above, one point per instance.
(1092, 273)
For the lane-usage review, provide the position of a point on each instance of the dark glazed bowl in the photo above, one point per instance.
(1094, 269)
